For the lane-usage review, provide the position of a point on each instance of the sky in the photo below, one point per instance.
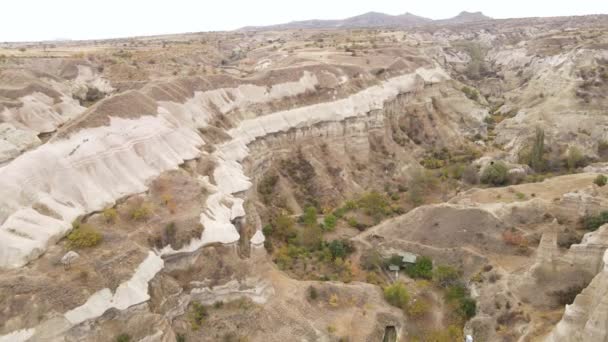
(34, 20)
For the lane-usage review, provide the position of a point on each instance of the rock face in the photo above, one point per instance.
(587, 318)
(109, 162)
(40, 104)
(168, 167)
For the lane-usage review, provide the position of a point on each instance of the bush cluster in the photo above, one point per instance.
(470, 93)
(495, 174)
(198, 314)
(397, 295)
(600, 180)
(593, 222)
(83, 236)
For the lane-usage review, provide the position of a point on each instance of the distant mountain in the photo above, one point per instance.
(465, 17)
(373, 19)
(370, 19)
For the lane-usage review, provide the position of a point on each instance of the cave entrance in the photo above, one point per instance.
(390, 334)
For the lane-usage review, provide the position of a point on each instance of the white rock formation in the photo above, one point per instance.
(69, 258)
(94, 167)
(18, 336)
(131, 292)
(84, 173)
(587, 318)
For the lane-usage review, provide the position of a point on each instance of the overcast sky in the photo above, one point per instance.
(26, 20)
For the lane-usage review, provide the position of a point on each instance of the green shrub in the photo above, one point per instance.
(567, 296)
(470, 175)
(110, 215)
(266, 187)
(311, 237)
(419, 308)
(309, 218)
(268, 246)
(123, 338)
(470, 93)
(423, 268)
(142, 212)
(495, 174)
(329, 222)
(459, 295)
(602, 149)
(356, 224)
(592, 223)
(421, 183)
(432, 163)
(198, 314)
(84, 236)
(574, 159)
(371, 260)
(600, 180)
(445, 275)
(267, 230)
(180, 338)
(284, 228)
(374, 204)
(312, 293)
(397, 295)
(394, 259)
(468, 308)
(340, 248)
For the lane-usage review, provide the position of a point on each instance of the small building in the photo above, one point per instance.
(408, 258)
(394, 268)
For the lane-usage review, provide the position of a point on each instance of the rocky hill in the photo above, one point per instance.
(373, 19)
(419, 183)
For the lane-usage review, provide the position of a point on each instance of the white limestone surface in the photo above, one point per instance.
(587, 318)
(39, 113)
(84, 173)
(197, 109)
(18, 336)
(129, 293)
(96, 166)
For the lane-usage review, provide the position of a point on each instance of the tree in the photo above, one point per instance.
(283, 227)
(309, 218)
(538, 148)
(340, 248)
(311, 237)
(371, 260)
(374, 204)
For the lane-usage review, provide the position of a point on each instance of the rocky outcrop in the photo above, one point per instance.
(108, 162)
(587, 318)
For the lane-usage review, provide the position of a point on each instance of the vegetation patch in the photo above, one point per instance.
(495, 174)
(198, 315)
(593, 222)
(83, 236)
(397, 295)
(600, 180)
